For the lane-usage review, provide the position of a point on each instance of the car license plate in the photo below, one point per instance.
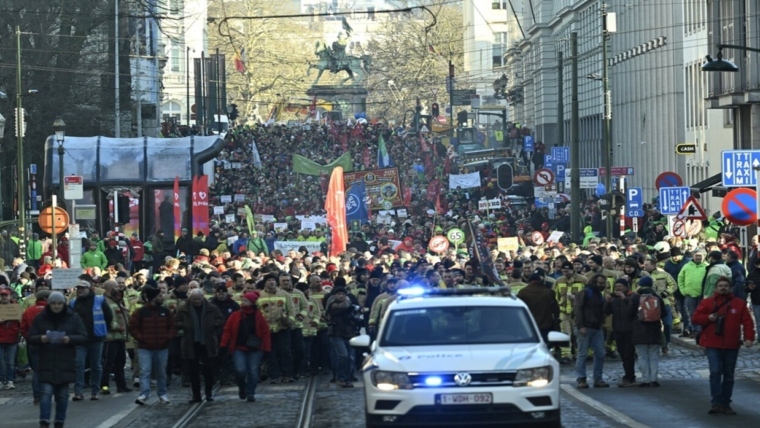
(454, 399)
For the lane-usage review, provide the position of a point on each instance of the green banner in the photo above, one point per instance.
(306, 166)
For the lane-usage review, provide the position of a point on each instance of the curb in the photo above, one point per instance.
(684, 342)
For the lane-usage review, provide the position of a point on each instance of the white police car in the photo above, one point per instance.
(460, 357)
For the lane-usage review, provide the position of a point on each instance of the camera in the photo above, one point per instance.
(355, 315)
(720, 321)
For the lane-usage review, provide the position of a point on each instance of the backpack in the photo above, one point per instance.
(649, 308)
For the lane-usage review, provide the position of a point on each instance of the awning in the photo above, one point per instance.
(707, 184)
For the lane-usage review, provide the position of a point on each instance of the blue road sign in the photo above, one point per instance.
(740, 207)
(672, 199)
(558, 169)
(738, 167)
(634, 202)
(548, 162)
(668, 179)
(528, 143)
(33, 168)
(561, 154)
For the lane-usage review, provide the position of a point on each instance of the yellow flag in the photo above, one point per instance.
(249, 220)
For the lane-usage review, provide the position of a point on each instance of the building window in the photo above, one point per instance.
(499, 45)
(499, 4)
(176, 60)
(175, 7)
(171, 112)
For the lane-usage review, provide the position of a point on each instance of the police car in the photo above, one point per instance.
(460, 357)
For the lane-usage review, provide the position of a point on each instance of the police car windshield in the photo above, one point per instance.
(458, 325)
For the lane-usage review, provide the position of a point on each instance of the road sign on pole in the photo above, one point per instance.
(559, 170)
(543, 177)
(738, 167)
(668, 179)
(589, 178)
(739, 206)
(561, 154)
(679, 229)
(528, 143)
(618, 171)
(672, 199)
(634, 202)
(691, 210)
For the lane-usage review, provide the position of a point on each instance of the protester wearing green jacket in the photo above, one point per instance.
(714, 271)
(690, 282)
(34, 250)
(93, 258)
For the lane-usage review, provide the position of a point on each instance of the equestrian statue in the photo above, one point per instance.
(335, 60)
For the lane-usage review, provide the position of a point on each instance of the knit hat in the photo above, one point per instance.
(83, 284)
(251, 296)
(56, 297)
(534, 277)
(204, 252)
(645, 281)
(221, 287)
(631, 262)
(378, 273)
(596, 258)
(716, 255)
(150, 293)
(42, 294)
(675, 251)
(567, 265)
(623, 282)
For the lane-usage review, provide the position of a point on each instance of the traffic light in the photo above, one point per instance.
(504, 176)
(435, 110)
(462, 118)
(122, 207)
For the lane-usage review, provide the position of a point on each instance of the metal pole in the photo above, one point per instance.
(451, 98)
(575, 158)
(204, 102)
(560, 100)
(20, 151)
(218, 93)
(417, 117)
(606, 134)
(137, 90)
(61, 152)
(187, 81)
(117, 100)
(622, 210)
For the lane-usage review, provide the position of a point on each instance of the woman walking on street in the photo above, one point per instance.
(56, 331)
(647, 312)
(246, 337)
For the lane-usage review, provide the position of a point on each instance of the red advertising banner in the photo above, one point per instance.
(195, 214)
(203, 223)
(177, 211)
(383, 187)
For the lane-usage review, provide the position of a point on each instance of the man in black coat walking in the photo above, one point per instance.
(56, 331)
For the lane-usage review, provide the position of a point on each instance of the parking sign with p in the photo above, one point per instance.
(634, 202)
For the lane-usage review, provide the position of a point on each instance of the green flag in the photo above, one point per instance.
(250, 222)
(306, 166)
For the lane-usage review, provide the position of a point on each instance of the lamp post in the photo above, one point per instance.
(20, 151)
(59, 127)
(2, 134)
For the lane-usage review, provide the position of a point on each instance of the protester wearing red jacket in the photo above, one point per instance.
(9, 333)
(27, 318)
(722, 317)
(246, 336)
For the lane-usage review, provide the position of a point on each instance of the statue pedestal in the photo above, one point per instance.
(348, 99)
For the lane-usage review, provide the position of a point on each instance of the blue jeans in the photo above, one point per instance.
(594, 339)
(247, 370)
(61, 394)
(92, 352)
(33, 353)
(667, 322)
(341, 351)
(150, 360)
(649, 360)
(691, 304)
(8, 362)
(722, 366)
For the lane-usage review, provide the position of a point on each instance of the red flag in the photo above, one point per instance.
(240, 61)
(407, 196)
(177, 211)
(335, 205)
(365, 157)
(194, 211)
(203, 221)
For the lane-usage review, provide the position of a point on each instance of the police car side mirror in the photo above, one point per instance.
(557, 338)
(361, 341)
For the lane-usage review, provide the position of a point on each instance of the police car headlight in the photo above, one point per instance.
(388, 381)
(537, 377)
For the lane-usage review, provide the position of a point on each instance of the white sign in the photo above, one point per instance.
(218, 210)
(465, 181)
(73, 187)
(229, 218)
(239, 197)
(386, 213)
(65, 278)
(490, 204)
(286, 246)
(268, 218)
(280, 226)
(308, 225)
(589, 178)
(231, 240)
(384, 220)
(226, 199)
(555, 236)
(545, 192)
(401, 212)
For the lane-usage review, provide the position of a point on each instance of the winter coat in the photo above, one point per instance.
(645, 333)
(57, 361)
(33, 249)
(736, 316)
(542, 304)
(93, 259)
(10, 329)
(138, 250)
(754, 295)
(118, 330)
(152, 327)
(226, 307)
(83, 306)
(211, 319)
(690, 278)
(620, 311)
(713, 272)
(29, 315)
(738, 277)
(589, 308)
(232, 326)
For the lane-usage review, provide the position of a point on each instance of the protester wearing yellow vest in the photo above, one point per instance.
(566, 287)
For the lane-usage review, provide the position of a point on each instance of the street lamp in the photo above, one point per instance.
(59, 127)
